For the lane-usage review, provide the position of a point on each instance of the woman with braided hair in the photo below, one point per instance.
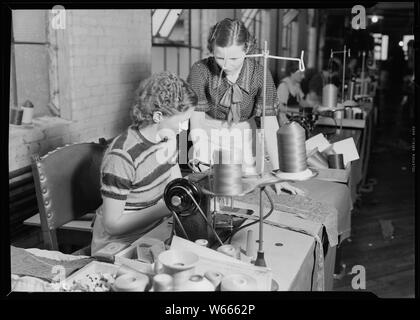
(229, 87)
(142, 160)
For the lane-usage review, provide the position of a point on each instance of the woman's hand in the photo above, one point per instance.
(288, 188)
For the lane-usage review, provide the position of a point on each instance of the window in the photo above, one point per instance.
(175, 44)
(30, 60)
(252, 19)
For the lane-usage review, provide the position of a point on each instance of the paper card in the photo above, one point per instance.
(317, 141)
(348, 148)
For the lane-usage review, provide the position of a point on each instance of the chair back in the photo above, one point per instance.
(67, 184)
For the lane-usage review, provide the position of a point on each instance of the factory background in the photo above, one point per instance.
(81, 81)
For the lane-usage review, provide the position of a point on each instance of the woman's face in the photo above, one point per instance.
(230, 59)
(177, 122)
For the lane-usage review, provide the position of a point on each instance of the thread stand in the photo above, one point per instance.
(344, 52)
(260, 261)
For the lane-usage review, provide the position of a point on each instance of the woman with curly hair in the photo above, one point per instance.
(229, 87)
(142, 160)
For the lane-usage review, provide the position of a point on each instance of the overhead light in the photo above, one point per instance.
(375, 18)
(401, 43)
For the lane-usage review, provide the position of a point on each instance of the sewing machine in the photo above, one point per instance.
(199, 215)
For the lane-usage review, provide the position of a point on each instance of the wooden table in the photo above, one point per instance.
(289, 254)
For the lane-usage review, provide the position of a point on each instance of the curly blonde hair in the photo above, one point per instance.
(164, 92)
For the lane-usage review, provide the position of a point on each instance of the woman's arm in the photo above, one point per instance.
(196, 118)
(118, 222)
(283, 96)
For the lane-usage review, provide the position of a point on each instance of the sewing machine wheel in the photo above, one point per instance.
(178, 200)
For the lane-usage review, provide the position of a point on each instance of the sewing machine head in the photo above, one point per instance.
(191, 208)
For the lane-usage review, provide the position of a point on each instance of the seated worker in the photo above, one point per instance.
(142, 160)
(289, 92)
(314, 83)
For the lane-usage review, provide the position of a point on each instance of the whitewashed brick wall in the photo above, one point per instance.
(109, 52)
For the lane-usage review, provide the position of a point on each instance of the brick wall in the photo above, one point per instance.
(109, 52)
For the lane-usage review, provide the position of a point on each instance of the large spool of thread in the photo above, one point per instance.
(238, 282)
(329, 96)
(291, 147)
(130, 283)
(227, 175)
(197, 283)
(179, 264)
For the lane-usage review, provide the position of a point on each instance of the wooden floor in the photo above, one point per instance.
(389, 263)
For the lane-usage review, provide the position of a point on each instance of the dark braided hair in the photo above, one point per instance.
(164, 92)
(291, 67)
(230, 32)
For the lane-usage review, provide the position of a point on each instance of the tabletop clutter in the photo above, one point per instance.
(149, 265)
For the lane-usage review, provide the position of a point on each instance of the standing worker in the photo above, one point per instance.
(229, 87)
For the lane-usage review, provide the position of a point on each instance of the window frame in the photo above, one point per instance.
(55, 39)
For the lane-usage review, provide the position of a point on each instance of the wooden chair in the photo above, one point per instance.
(67, 185)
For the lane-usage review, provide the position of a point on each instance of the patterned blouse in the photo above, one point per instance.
(246, 93)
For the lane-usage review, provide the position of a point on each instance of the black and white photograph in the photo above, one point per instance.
(187, 149)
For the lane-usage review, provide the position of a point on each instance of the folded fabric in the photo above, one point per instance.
(24, 263)
(301, 206)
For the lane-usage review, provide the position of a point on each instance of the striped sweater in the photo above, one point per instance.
(136, 170)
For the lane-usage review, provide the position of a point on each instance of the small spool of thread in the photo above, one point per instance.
(351, 90)
(359, 116)
(358, 89)
(329, 96)
(291, 148)
(215, 278)
(348, 113)
(162, 282)
(202, 242)
(227, 176)
(336, 161)
(16, 116)
(28, 112)
(338, 114)
(238, 282)
(130, 283)
(250, 243)
(229, 250)
(317, 160)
